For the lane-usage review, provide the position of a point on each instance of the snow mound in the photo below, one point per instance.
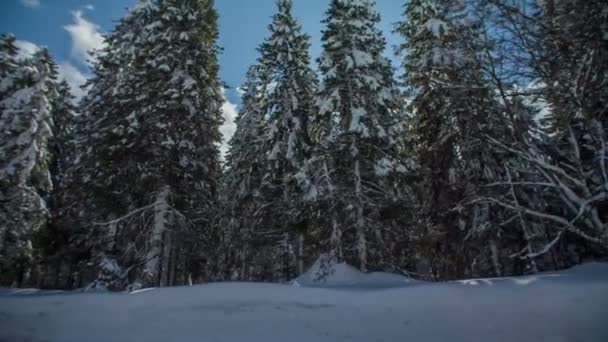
(326, 272)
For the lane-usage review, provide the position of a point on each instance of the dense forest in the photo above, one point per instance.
(486, 156)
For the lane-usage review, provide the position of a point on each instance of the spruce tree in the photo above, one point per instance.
(288, 101)
(245, 165)
(25, 180)
(149, 134)
(56, 251)
(356, 163)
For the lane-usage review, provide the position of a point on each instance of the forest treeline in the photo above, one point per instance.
(487, 157)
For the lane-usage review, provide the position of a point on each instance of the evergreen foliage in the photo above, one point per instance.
(488, 158)
(358, 132)
(26, 127)
(152, 120)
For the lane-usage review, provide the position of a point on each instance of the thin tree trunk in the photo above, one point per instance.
(300, 253)
(173, 266)
(523, 223)
(244, 263)
(495, 258)
(335, 241)
(336, 238)
(359, 222)
(58, 268)
(166, 259)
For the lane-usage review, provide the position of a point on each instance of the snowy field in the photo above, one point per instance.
(566, 306)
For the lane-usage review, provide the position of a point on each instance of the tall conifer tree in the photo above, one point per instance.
(288, 99)
(26, 93)
(245, 165)
(358, 134)
(149, 136)
(454, 110)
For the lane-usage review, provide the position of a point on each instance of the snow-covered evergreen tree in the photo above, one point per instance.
(356, 163)
(289, 101)
(245, 165)
(57, 257)
(265, 206)
(26, 90)
(149, 137)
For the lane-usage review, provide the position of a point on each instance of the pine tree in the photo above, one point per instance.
(356, 163)
(149, 135)
(25, 157)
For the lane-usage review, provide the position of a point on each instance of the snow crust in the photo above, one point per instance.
(563, 306)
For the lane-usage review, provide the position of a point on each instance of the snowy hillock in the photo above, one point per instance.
(327, 273)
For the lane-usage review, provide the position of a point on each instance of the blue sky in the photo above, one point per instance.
(69, 28)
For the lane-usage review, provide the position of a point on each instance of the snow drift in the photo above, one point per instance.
(327, 273)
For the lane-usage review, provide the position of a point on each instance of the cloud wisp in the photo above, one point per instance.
(34, 4)
(74, 77)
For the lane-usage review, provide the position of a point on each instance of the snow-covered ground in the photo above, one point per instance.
(565, 306)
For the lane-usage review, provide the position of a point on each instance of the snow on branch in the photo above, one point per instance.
(568, 182)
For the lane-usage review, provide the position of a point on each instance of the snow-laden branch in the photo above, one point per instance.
(603, 158)
(569, 182)
(126, 216)
(538, 161)
(554, 218)
(543, 251)
(140, 210)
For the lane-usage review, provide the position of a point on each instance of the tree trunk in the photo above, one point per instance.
(243, 272)
(495, 258)
(155, 242)
(172, 266)
(523, 223)
(166, 259)
(336, 238)
(300, 253)
(360, 222)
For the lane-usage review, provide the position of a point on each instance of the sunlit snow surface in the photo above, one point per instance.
(565, 306)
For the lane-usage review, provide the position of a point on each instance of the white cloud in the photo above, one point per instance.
(26, 49)
(31, 3)
(86, 37)
(89, 7)
(74, 77)
(229, 112)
